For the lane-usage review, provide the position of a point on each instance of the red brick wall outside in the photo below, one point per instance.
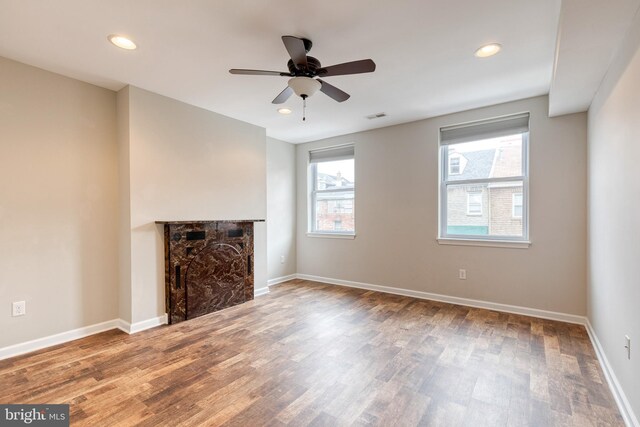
(457, 206)
(502, 221)
(328, 219)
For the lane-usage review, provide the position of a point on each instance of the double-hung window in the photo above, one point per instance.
(484, 191)
(332, 185)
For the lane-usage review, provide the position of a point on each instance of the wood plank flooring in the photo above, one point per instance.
(316, 354)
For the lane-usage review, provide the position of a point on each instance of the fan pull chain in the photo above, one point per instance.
(304, 108)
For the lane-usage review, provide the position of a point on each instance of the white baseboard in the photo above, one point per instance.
(626, 411)
(124, 326)
(260, 291)
(515, 309)
(282, 279)
(63, 337)
(132, 328)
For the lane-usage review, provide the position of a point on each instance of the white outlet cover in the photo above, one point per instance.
(18, 308)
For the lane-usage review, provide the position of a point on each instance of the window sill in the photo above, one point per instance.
(488, 243)
(332, 236)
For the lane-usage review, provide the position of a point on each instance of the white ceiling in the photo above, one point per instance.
(423, 51)
(589, 34)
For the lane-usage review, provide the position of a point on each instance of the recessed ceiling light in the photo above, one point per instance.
(488, 50)
(122, 42)
(284, 110)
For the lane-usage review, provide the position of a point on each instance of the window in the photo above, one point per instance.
(483, 194)
(454, 165)
(332, 185)
(516, 205)
(474, 203)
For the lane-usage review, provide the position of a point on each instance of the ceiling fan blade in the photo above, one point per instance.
(354, 67)
(284, 95)
(297, 52)
(333, 92)
(258, 72)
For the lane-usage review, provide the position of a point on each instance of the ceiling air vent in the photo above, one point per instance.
(376, 116)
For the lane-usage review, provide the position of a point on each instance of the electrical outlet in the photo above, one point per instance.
(627, 345)
(281, 259)
(19, 308)
(462, 274)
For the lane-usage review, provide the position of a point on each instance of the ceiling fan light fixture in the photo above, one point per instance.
(122, 42)
(304, 86)
(284, 110)
(488, 50)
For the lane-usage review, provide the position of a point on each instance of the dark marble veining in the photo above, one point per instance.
(208, 266)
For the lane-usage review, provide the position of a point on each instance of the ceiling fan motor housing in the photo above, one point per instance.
(310, 71)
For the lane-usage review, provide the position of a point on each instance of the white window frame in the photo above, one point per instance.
(507, 241)
(474, 193)
(513, 205)
(313, 193)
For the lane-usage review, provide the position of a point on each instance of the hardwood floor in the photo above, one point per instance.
(315, 354)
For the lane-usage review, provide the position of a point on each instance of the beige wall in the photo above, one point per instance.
(87, 173)
(58, 203)
(614, 215)
(187, 163)
(397, 217)
(281, 208)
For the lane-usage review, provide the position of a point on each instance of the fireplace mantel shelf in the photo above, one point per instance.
(211, 220)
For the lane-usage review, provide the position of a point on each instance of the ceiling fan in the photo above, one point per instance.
(305, 72)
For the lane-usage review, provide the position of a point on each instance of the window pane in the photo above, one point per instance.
(336, 174)
(484, 209)
(335, 212)
(485, 159)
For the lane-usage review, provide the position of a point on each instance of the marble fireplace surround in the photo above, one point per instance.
(209, 266)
